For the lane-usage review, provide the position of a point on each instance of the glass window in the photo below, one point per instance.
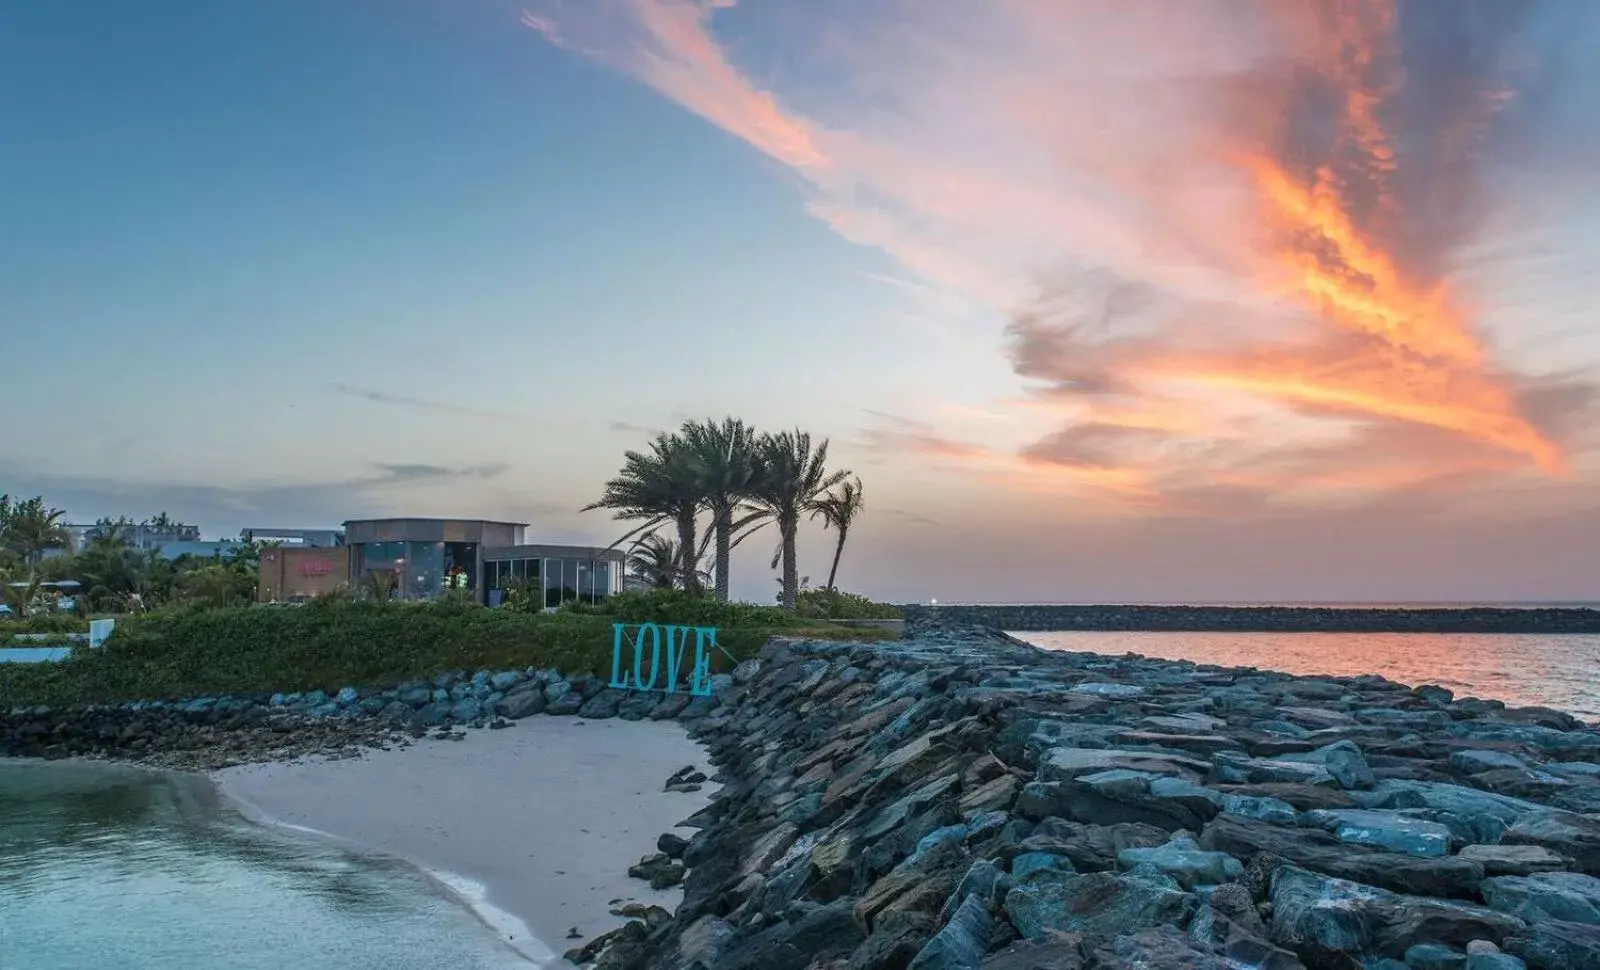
(461, 565)
(552, 583)
(533, 573)
(424, 572)
(601, 578)
(569, 579)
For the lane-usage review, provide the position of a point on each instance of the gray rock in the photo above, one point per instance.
(567, 704)
(963, 941)
(1348, 766)
(505, 680)
(1187, 863)
(467, 709)
(521, 703)
(602, 705)
(1432, 956)
(396, 713)
(1317, 914)
(1568, 896)
(1096, 904)
(1384, 830)
(1555, 945)
(555, 690)
(1566, 833)
(433, 714)
(1475, 762)
(1512, 860)
(1108, 690)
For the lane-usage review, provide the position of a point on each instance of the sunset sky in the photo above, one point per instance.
(1140, 300)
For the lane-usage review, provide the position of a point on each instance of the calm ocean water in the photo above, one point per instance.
(1550, 671)
(104, 866)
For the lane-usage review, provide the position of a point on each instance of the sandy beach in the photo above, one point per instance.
(536, 824)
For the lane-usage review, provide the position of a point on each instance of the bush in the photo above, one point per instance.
(833, 604)
(685, 607)
(260, 650)
(44, 623)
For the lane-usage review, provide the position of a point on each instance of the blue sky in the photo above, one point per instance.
(296, 262)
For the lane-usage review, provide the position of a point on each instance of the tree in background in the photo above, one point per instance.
(794, 477)
(28, 528)
(659, 486)
(838, 509)
(727, 467)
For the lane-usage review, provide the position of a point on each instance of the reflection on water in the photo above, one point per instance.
(105, 866)
(1550, 671)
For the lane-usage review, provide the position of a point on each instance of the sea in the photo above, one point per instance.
(110, 866)
(1519, 669)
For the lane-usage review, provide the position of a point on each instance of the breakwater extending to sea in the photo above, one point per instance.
(1263, 619)
(962, 800)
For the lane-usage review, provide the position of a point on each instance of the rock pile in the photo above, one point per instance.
(206, 733)
(962, 801)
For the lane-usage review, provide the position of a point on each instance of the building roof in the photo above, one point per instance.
(424, 518)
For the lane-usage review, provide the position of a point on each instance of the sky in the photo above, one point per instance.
(1145, 300)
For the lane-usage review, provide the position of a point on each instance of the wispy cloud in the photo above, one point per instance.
(1231, 234)
(377, 396)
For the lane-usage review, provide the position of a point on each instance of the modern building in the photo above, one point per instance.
(293, 573)
(425, 557)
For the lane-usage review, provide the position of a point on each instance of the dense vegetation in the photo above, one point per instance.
(740, 481)
(115, 576)
(328, 644)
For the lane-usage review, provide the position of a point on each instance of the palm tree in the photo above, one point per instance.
(658, 486)
(725, 456)
(28, 528)
(793, 479)
(654, 561)
(838, 510)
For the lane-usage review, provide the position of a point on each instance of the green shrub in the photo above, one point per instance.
(44, 623)
(192, 652)
(833, 604)
(684, 607)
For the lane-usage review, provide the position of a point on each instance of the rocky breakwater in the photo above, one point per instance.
(962, 801)
(207, 733)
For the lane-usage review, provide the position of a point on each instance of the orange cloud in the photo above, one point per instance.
(1265, 198)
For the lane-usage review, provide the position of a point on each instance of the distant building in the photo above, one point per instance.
(296, 538)
(139, 535)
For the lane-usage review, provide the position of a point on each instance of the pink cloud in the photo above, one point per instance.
(1272, 293)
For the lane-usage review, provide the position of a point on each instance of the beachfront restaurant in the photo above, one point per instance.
(489, 559)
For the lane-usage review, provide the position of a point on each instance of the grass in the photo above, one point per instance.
(261, 650)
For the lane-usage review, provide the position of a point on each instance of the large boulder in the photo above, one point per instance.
(1321, 852)
(1568, 896)
(963, 941)
(1096, 904)
(523, 702)
(1320, 915)
(1385, 830)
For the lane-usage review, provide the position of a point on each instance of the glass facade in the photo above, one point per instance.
(421, 570)
(559, 580)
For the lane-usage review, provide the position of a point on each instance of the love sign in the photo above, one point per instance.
(658, 657)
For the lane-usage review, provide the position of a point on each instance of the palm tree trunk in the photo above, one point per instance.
(724, 527)
(686, 547)
(838, 550)
(791, 568)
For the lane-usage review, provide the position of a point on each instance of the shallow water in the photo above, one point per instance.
(107, 866)
(1549, 671)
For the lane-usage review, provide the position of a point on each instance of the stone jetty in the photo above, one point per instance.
(963, 801)
(1265, 619)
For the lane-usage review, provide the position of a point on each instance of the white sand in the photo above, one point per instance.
(535, 824)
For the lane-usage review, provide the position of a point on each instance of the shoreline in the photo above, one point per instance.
(511, 930)
(532, 828)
